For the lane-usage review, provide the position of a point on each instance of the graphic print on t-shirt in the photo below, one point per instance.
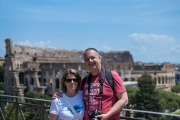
(93, 95)
(77, 108)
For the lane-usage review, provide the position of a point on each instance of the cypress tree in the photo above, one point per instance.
(147, 98)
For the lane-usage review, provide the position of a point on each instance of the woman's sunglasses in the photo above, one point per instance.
(69, 80)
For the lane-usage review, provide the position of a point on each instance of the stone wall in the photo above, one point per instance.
(40, 70)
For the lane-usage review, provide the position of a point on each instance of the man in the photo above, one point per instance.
(111, 102)
(99, 96)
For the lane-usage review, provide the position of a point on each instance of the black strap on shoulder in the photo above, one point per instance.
(109, 78)
(84, 80)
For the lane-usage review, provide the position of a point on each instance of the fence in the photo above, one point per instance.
(23, 108)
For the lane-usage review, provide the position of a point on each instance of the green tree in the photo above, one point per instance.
(147, 98)
(2, 104)
(171, 101)
(1, 86)
(131, 91)
(29, 112)
(176, 89)
(13, 114)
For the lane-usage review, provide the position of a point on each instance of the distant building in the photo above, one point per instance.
(40, 70)
(177, 74)
(2, 61)
(164, 74)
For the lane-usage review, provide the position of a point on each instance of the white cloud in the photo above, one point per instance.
(176, 49)
(41, 44)
(151, 37)
(26, 43)
(106, 47)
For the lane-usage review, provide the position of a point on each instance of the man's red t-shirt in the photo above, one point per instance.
(109, 97)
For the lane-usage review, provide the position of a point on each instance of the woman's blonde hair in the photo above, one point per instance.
(70, 71)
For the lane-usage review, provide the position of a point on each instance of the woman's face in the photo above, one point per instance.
(71, 82)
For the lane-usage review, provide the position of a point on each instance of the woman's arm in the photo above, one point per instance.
(53, 117)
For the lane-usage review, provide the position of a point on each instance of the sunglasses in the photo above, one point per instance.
(73, 79)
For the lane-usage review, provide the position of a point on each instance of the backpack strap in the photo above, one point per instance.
(84, 80)
(109, 78)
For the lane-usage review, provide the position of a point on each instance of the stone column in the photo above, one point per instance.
(36, 80)
(54, 80)
(60, 77)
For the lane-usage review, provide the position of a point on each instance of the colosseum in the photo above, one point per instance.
(40, 69)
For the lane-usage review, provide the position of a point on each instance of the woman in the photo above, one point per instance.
(60, 109)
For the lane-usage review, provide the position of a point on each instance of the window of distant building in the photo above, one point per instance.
(32, 81)
(21, 78)
(132, 79)
(26, 82)
(159, 80)
(44, 82)
(57, 83)
(79, 67)
(162, 80)
(125, 79)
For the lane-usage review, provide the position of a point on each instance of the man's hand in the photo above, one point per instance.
(103, 116)
(57, 95)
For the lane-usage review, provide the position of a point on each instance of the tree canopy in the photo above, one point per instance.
(147, 97)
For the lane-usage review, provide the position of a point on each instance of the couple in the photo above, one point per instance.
(92, 95)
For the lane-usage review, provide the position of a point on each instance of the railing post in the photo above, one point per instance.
(42, 111)
(16, 116)
(168, 117)
(2, 116)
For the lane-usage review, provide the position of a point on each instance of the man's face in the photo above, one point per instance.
(92, 60)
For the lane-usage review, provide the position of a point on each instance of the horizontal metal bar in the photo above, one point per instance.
(158, 113)
(26, 98)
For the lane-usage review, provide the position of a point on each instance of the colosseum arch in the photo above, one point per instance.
(32, 81)
(133, 79)
(159, 80)
(26, 82)
(46, 92)
(21, 78)
(166, 80)
(169, 80)
(57, 82)
(40, 78)
(125, 79)
(44, 82)
(163, 80)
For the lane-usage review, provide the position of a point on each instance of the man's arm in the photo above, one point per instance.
(117, 107)
(57, 95)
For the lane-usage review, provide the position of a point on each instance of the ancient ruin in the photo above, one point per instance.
(40, 70)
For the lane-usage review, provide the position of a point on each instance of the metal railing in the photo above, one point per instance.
(23, 108)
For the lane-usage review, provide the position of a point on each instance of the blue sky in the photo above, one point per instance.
(149, 29)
